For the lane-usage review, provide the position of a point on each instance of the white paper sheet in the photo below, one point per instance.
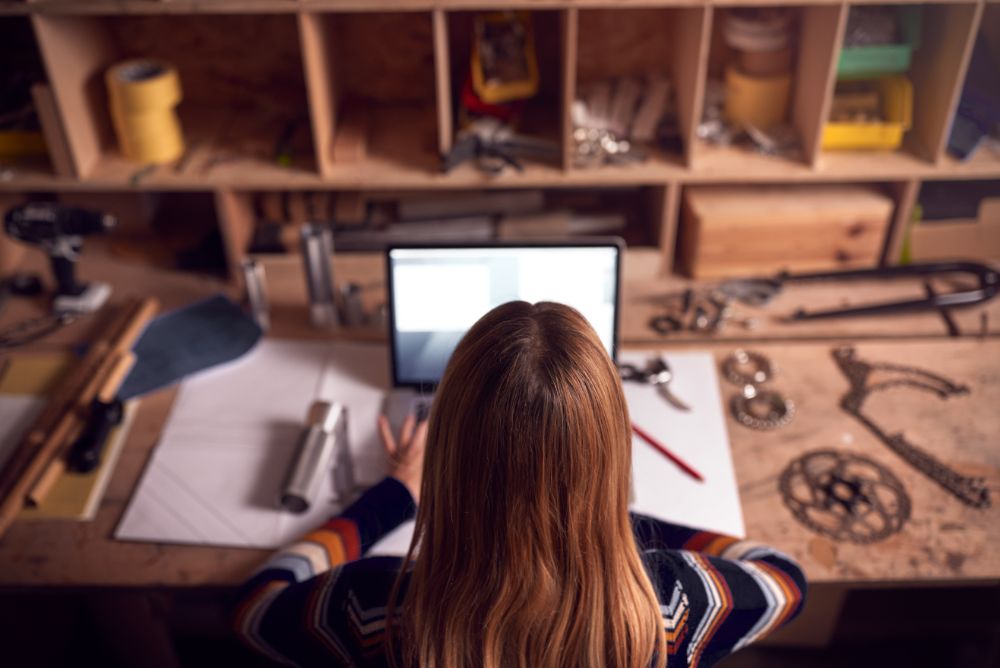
(698, 437)
(215, 476)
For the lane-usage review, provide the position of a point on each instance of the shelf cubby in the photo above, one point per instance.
(237, 102)
(639, 43)
(372, 92)
(542, 115)
(936, 72)
(817, 31)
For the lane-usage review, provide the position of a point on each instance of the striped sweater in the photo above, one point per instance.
(318, 603)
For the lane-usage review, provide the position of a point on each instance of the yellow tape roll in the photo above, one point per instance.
(142, 96)
(758, 101)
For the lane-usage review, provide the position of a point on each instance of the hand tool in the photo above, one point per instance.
(59, 230)
(317, 249)
(495, 146)
(657, 373)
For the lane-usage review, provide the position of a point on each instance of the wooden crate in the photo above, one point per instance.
(743, 230)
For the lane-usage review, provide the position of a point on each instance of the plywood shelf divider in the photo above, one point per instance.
(234, 210)
(820, 38)
(570, 42)
(691, 72)
(442, 82)
(317, 62)
(73, 50)
(959, 37)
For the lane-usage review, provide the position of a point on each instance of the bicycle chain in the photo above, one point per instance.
(969, 490)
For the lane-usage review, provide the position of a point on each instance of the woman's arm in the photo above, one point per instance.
(717, 593)
(341, 539)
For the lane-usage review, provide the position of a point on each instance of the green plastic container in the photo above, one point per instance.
(865, 61)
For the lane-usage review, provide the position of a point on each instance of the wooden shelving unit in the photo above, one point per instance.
(390, 73)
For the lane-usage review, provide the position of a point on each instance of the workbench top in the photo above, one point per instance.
(944, 540)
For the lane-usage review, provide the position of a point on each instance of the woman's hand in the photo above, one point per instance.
(406, 456)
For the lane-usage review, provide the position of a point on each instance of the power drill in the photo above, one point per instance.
(59, 230)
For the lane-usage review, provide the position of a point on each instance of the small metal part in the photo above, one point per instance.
(325, 433)
(317, 253)
(751, 291)
(744, 367)
(665, 324)
(254, 281)
(701, 321)
(844, 496)
(658, 373)
(761, 409)
(354, 311)
(686, 300)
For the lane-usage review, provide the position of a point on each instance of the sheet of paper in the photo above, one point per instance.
(698, 437)
(215, 476)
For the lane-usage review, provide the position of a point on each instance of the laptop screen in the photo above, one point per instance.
(437, 294)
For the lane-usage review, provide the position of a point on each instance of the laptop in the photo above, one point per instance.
(437, 292)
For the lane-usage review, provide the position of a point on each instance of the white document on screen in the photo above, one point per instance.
(216, 474)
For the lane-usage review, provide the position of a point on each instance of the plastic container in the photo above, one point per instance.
(866, 61)
(897, 107)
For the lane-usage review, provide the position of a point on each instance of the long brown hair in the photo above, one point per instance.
(524, 553)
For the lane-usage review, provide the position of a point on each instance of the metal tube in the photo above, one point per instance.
(317, 251)
(315, 454)
(253, 278)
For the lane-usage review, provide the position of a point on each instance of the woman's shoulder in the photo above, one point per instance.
(382, 564)
(372, 574)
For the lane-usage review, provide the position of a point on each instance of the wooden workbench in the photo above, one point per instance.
(943, 542)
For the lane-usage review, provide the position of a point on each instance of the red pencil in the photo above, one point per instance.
(681, 464)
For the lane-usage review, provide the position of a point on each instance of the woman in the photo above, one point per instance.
(524, 552)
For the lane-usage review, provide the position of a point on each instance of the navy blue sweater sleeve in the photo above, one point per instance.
(717, 593)
(298, 573)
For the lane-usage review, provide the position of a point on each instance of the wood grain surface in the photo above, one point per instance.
(943, 542)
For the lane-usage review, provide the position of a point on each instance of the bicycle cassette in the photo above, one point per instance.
(845, 496)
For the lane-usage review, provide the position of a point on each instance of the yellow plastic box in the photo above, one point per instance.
(897, 108)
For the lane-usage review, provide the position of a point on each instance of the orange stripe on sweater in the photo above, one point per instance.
(331, 542)
(719, 544)
(348, 531)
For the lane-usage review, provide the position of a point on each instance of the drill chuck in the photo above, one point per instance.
(45, 222)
